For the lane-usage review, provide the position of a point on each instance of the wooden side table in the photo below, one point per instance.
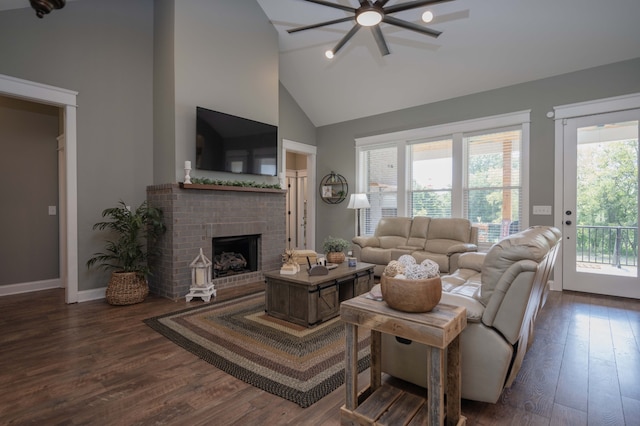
(383, 404)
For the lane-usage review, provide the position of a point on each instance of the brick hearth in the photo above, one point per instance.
(194, 216)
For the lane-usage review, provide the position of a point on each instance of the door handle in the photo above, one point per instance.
(568, 222)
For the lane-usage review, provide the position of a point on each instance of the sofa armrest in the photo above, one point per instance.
(462, 248)
(366, 241)
(471, 260)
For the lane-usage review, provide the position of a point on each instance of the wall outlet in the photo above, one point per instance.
(542, 210)
(53, 210)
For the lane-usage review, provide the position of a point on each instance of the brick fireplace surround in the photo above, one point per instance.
(195, 216)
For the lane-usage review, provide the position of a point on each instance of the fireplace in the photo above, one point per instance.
(235, 255)
(203, 218)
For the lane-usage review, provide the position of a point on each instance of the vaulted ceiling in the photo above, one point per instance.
(484, 45)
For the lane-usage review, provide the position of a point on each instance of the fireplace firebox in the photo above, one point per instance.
(235, 255)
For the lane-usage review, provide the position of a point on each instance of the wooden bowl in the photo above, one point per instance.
(411, 295)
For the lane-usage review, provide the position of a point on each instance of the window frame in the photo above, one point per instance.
(456, 131)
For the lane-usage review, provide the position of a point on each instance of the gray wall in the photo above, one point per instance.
(138, 88)
(104, 51)
(337, 147)
(29, 172)
(223, 56)
(294, 123)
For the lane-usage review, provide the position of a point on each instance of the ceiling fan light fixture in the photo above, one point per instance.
(369, 16)
(43, 7)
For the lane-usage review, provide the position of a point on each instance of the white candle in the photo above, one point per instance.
(200, 277)
(187, 164)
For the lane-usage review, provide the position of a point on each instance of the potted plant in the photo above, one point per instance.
(334, 249)
(135, 234)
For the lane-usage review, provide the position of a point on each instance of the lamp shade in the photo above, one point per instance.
(358, 201)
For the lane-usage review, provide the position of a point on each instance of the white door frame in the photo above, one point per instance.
(560, 114)
(310, 151)
(66, 100)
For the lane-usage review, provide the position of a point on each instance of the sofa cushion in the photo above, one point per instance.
(441, 259)
(393, 231)
(456, 229)
(376, 255)
(531, 244)
(474, 308)
(418, 234)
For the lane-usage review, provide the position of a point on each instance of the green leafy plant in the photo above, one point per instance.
(136, 233)
(337, 245)
(242, 183)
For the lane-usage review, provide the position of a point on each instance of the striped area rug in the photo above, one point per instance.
(293, 362)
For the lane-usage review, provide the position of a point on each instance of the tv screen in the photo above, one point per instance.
(226, 143)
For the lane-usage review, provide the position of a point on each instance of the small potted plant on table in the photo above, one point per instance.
(136, 233)
(334, 249)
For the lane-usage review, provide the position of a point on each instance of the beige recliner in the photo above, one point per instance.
(502, 291)
(439, 239)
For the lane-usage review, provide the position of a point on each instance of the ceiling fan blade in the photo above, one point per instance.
(382, 44)
(412, 5)
(334, 5)
(381, 3)
(346, 38)
(321, 24)
(411, 26)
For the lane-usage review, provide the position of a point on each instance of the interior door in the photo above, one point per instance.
(600, 206)
(297, 209)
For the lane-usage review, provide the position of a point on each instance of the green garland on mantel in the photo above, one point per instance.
(244, 184)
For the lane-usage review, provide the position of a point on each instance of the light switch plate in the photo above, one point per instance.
(542, 210)
(52, 210)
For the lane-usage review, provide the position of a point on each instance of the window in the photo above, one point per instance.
(472, 169)
(431, 178)
(492, 195)
(380, 176)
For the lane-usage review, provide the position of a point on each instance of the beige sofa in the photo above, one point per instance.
(503, 291)
(439, 239)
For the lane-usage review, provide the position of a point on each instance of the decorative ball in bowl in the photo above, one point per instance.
(411, 295)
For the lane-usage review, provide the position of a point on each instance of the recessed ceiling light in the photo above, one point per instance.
(427, 16)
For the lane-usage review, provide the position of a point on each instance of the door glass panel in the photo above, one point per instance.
(607, 199)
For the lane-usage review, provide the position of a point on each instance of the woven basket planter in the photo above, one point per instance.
(335, 257)
(126, 288)
(411, 295)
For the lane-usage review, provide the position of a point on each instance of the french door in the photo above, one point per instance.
(600, 205)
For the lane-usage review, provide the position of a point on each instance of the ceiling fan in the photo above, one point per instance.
(370, 14)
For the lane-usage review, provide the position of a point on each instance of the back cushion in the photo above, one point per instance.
(457, 229)
(393, 231)
(418, 234)
(532, 244)
(444, 233)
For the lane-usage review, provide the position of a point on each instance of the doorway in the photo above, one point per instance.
(299, 180)
(598, 212)
(68, 211)
(297, 203)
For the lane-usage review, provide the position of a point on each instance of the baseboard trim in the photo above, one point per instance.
(9, 289)
(83, 296)
(93, 294)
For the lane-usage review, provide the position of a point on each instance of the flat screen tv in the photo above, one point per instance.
(226, 143)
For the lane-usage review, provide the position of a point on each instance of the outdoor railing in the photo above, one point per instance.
(612, 245)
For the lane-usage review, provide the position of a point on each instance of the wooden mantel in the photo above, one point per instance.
(229, 188)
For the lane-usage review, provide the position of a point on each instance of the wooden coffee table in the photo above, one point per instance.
(380, 403)
(310, 300)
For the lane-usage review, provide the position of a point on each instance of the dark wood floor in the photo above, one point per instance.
(92, 363)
